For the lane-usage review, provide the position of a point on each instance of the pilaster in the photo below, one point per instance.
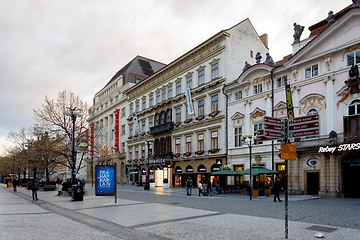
(322, 175)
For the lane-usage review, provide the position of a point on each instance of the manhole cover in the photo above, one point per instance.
(322, 229)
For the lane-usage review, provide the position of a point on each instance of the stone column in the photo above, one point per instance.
(322, 175)
(332, 175)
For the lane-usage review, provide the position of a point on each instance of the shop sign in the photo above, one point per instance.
(178, 169)
(218, 161)
(340, 148)
(189, 169)
(157, 161)
(312, 162)
(201, 168)
(215, 168)
(352, 162)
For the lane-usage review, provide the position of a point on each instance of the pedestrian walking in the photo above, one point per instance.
(208, 185)
(214, 185)
(34, 188)
(15, 183)
(205, 192)
(277, 187)
(200, 187)
(189, 184)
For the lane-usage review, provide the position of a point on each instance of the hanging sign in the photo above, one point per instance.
(289, 104)
(189, 105)
(136, 122)
(116, 130)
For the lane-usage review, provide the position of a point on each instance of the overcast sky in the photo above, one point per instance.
(78, 45)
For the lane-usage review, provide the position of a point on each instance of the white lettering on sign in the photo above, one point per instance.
(341, 148)
(105, 178)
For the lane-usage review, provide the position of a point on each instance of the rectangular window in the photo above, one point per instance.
(150, 123)
(189, 82)
(214, 103)
(136, 153)
(178, 88)
(201, 108)
(178, 115)
(214, 71)
(163, 95)
(257, 126)
(130, 154)
(123, 147)
(169, 92)
(177, 146)
(157, 97)
(123, 112)
(353, 58)
(123, 129)
(188, 144)
(311, 71)
(201, 77)
(144, 104)
(130, 130)
(238, 95)
(143, 151)
(281, 81)
(143, 126)
(151, 100)
(131, 109)
(257, 88)
(214, 140)
(237, 134)
(201, 142)
(137, 108)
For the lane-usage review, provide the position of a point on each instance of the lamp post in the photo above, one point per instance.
(249, 143)
(148, 170)
(73, 113)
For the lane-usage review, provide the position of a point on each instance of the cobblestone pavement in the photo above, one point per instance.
(170, 214)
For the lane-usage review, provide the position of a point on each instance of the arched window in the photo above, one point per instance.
(312, 111)
(354, 107)
(162, 118)
(169, 115)
(157, 119)
(168, 144)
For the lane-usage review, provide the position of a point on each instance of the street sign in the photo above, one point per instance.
(273, 120)
(302, 126)
(304, 119)
(287, 156)
(274, 134)
(263, 138)
(288, 148)
(303, 133)
(280, 128)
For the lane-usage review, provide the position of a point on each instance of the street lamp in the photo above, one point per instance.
(73, 113)
(148, 170)
(249, 143)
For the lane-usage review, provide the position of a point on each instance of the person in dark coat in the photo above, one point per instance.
(15, 183)
(34, 188)
(277, 187)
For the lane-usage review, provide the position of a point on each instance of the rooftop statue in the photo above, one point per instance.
(269, 60)
(331, 18)
(258, 57)
(247, 65)
(298, 31)
(356, 3)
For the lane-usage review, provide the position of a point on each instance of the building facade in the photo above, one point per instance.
(318, 74)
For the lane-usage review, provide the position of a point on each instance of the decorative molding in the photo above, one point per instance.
(349, 50)
(257, 113)
(237, 115)
(344, 96)
(257, 80)
(311, 100)
(328, 59)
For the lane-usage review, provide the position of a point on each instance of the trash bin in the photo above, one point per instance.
(146, 186)
(77, 193)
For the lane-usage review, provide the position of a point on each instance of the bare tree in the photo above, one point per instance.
(72, 130)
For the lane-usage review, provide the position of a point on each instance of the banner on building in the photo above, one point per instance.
(116, 132)
(92, 139)
(136, 122)
(189, 105)
(289, 104)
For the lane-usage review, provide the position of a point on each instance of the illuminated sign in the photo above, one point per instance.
(340, 148)
(105, 181)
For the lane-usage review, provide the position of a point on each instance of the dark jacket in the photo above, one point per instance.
(34, 185)
(277, 186)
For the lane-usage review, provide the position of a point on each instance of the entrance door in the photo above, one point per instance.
(312, 183)
(351, 169)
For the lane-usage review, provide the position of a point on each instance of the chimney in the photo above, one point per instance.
(264, 39)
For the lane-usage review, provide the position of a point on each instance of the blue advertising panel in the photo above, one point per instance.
(105, 181)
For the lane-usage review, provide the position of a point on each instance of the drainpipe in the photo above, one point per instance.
(226, 123)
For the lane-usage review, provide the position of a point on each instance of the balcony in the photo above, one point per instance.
(326, 140)
(167, 127)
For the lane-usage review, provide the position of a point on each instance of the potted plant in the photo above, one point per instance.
(152, 183)
(166, 183)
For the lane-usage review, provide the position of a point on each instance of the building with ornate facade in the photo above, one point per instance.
(180, 130)
(326, 162)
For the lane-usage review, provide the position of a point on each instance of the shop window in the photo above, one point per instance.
(188, 144)
(214, 140)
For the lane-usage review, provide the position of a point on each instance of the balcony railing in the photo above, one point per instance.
(162, 128)
(325, 140)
